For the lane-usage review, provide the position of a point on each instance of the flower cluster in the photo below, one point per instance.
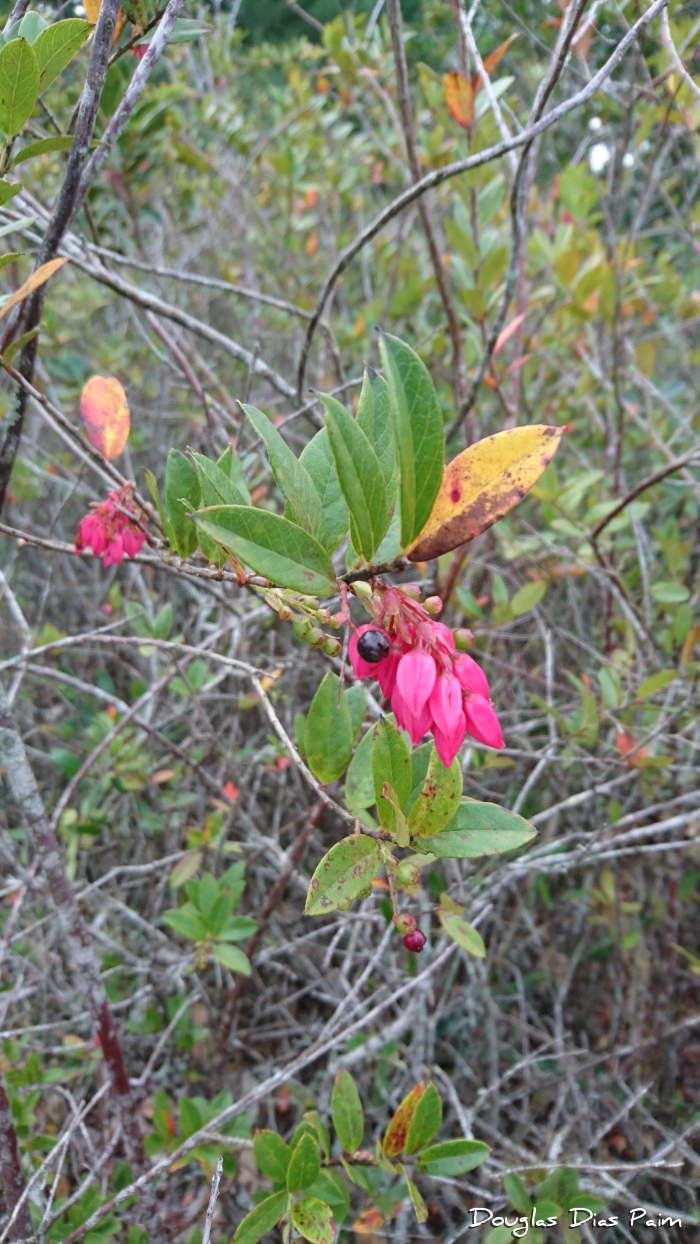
(430, 684)
(111, 528)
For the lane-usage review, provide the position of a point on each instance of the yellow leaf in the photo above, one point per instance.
(105, 414)
(40, 277)
(397, 1131)
(482, 484)
(92, 9)
(459, 98)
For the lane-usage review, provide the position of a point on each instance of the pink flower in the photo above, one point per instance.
(482, 722)
(415, 679)
(431, 686)
(111, 528)
(471, 675)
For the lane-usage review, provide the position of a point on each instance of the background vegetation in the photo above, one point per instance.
(257, 152)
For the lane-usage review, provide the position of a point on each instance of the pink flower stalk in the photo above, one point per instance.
(431, 686)
(109, 530)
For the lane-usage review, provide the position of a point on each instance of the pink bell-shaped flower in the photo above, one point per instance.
(415, 680)
(471, 675)
(482, 722)
(446, 703)
(447, 745)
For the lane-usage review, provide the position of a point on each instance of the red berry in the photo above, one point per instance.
(415, 941)
(405, 923)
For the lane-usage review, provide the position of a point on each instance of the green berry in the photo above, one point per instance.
(331, 648)
(463, 639)
(301, 628)
(408, 873)
(316, 637)
(405, 923)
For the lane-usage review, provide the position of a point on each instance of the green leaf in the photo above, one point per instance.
(453, 1157)
(314, 1220)
(7, 191)
(19, 85)
(232, 958)
(359, 786)
(232, 467)
(31, 26)
(291, 476)
(391, 762)
(426, 1121)
(56, 46)
(374, 417)
(319, 462)
(481, 829)
(328, 733)
(356, 697)
(654, 683)
(15, 346)
(418, 433)
(272, 1155)
(517, 1193)
(237, 929)
(361, 478)
(262, 1219)
(187, 921)
(332, 1188)
(462, 933)
(346, 1111)
(186, 869)
(181, 482)
(215, 486)
(184, 30)
(439, 799)
(304, 1165)
(420, 1208)
(190, 1118)
(666, 592)
(527, 597)
(60, 142)
(343, 874)
(272, 546)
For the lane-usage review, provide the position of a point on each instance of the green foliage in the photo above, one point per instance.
(343, 874)
(19, 85)
(346, 1111)
(418, 433)
(360, 476)
(272, 545)
(207, 919)
(329, 732)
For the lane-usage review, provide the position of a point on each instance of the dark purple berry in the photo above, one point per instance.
(415, 941)
(373, 647)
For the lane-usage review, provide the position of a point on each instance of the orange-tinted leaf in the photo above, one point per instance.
(92, 9)
(459, 97)
(105, 414)
(628, 747)
(506, 334)
(482, 484)
(40, 277)
(493, 60)
(370, 1220)
(525, 358)
(230, 791)
(397, 1131)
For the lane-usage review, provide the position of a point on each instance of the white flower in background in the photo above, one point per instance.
(598, 157)
(595, 124)
(628, 160)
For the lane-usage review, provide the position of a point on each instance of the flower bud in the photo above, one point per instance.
(433, 605)
(316, 637)
(362, 589)
(286, 614)
(463, 639)
(309, 602)
(301, 628)
(405, 923)
(331, 648)
(408, 873)
(323, 615)
(412, 590)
